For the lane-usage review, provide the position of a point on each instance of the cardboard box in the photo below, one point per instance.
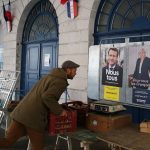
(104, 123)
(145, 127)
(145, 130)
(145, 124)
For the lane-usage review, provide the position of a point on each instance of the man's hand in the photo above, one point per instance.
(64, 113)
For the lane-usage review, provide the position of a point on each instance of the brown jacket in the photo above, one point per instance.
(32, 111)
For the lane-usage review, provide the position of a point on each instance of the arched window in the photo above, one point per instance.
(122, 16)
(41, 24)
(40, 44)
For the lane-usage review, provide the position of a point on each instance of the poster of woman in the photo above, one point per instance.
(139, 73)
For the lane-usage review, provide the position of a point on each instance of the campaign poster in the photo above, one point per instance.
(112, 66)
(141, 96)
(139, 67)
(139, 73)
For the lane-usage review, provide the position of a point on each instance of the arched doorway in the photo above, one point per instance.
(40, 40)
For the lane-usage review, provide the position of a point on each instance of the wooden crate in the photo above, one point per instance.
(104, 123)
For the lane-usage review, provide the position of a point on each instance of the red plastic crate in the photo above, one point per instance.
(61, 124)
(82, 110)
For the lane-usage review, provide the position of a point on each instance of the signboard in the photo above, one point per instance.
(111, 93)
(112, 70)
(139, 73)
(141, 96)
(120, 72)
(46, 60)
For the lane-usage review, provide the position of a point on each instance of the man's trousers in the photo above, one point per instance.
(17, 130)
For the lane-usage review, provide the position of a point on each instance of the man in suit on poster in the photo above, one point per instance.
(112, 73)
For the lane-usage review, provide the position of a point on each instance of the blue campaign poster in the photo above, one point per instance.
(141, 96)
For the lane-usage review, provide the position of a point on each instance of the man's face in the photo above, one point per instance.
(112, 57)
(71, 72)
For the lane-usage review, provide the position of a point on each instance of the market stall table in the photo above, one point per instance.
(128, 138)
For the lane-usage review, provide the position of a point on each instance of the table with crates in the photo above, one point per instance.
(128, 138)
(116, 130)
(66, 127)
(88, 127)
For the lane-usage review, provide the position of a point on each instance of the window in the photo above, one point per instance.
(122, 18)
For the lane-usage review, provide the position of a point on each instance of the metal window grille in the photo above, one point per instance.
(8, 81)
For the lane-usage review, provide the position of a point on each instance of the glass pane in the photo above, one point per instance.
(137, 10)
(130, 16)
(127, 24)
(117, 22)
(123, 8)
(102, 28)
(146, 9)
(134, 2)
(43, 29)
(107, 7)
(40, 23)
(112, 1)
(33, 58)
(103, 19)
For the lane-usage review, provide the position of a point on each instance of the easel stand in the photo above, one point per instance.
(85, 144)
(66, 138)
(59, 137)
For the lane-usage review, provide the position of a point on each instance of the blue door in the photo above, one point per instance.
(32, 66)
(40, 42)
(40, 60)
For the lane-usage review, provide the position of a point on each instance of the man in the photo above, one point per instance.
(112, 73)
(30, 116)
(141, 77)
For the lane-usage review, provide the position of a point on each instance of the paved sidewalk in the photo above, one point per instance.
(50, 144)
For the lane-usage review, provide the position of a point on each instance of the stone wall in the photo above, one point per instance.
(75, 37)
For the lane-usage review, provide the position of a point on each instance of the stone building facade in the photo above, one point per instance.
(109, 21)
(75, 38)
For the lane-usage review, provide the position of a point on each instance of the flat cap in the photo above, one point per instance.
(70, 64)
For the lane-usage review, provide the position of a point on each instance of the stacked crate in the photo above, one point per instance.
(81, 109)
(62, 124)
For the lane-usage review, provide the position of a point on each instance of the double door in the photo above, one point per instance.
(40, 60)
